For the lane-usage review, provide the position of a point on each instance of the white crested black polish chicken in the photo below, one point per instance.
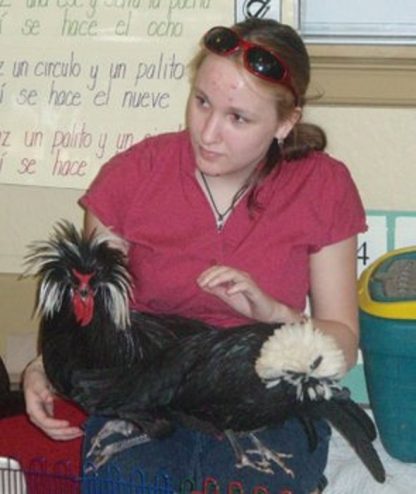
(241, 380)
(83, 299)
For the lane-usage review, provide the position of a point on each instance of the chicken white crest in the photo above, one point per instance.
(296, 352)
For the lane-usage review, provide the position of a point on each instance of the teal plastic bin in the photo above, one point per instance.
(387, 298)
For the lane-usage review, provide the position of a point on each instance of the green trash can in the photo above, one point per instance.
(387, 299)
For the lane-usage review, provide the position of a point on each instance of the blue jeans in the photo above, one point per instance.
(187, 457)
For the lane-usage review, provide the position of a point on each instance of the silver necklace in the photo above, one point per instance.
(220, 217)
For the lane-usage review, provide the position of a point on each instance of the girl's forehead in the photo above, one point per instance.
(230, 78)
(222, 70)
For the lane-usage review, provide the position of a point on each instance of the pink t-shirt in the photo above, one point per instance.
(149, 195)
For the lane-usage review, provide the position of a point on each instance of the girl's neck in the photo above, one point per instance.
(222, 194)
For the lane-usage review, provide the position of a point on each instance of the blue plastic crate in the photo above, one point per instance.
(387, 295)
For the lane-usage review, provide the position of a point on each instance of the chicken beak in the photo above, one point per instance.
(83, 307)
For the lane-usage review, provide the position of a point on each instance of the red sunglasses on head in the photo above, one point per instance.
(258, 60)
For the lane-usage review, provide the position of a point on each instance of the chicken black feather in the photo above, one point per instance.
(241, 380)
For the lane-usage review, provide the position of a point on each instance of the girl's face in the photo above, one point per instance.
(232, 120)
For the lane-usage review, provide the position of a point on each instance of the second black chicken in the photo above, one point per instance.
(238, 381)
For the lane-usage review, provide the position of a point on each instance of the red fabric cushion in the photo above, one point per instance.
(20, 439)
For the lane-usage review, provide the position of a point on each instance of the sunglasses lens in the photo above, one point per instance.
(257, 59)
(265, 63)
(221, 40)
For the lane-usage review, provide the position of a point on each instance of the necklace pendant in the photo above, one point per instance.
(220, 217)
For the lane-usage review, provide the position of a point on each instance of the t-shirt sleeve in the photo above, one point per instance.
(117, 186)
(341, 207)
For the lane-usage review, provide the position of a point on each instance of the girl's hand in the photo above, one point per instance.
(39, 404)
(238, 290)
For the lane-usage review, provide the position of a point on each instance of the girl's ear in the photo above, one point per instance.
(287, 125)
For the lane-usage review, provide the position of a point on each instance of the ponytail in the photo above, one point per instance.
(304, 138)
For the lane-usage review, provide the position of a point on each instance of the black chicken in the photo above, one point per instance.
(83, 298)
(238, 381)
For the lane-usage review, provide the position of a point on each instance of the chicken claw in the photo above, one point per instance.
(99, 453)
(267, 455)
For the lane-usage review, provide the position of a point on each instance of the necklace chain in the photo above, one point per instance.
(220, 217)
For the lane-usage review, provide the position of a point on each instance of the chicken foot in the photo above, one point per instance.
(266, 455)
(98, 454)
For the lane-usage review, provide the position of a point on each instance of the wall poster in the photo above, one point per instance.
(83, 79)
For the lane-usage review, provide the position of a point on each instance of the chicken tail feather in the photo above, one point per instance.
(338, 413)
(357, 414)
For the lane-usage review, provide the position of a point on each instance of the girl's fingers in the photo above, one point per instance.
(218, 275)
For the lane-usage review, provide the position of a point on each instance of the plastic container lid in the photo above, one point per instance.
(387, 288)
